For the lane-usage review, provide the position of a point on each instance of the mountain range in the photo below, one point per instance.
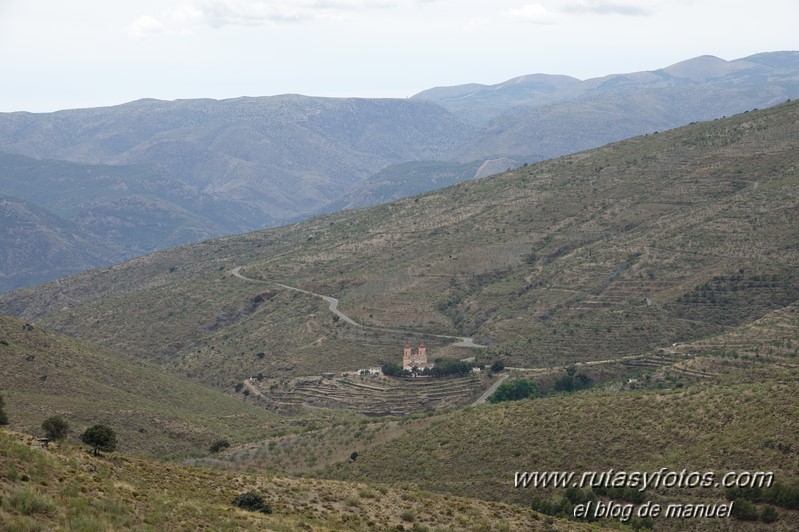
(113, 183)
(662, 268)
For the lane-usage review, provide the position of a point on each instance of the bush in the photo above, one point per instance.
(768, 514)
(28, 502)
(55, 428)
(218, 445)
(497, 366)
(100, 438)
(744, 510)
(3, 416)
(253, 502)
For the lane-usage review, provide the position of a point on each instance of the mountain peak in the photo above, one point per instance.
(704, 67)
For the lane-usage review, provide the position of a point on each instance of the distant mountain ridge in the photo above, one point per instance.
(482, 103)
(216, 168)
(281, 155)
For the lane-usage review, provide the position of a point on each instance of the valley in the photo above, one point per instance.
(659, 273)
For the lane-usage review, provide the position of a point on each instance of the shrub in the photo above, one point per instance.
(218, 445)
(253, 502)
(55, 428)
(28, 502)
(768, 514)
(3, 416)
(744, 510)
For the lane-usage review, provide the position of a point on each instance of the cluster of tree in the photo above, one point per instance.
(393, 370)
(572, 381)
(514, 391)
(448, 366)
(442, 367)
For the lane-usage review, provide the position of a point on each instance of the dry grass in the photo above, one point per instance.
(67, 488)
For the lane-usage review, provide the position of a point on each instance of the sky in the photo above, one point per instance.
(90, 53)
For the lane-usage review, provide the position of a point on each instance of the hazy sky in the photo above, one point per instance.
(57, 54)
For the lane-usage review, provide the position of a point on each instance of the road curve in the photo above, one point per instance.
(461, 341)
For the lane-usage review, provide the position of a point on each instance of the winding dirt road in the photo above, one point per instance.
(460, 341)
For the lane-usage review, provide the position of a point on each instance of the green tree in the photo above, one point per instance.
(497, 366)
(391, 369)
(514, 391)
(572, 381)
(3, 416)
(450, 366)
(100, 438)
(55, 428)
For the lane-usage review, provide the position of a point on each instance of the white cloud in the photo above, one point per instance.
(219, 13)
(146, 26)
(535, 14)
(178, 21)
(554, 12)
(613, 7)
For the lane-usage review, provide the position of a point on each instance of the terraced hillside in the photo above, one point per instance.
(612, 252)
(373, 396)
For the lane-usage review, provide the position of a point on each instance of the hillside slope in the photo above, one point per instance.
(44, 374)
(65, 488)
(614, 251)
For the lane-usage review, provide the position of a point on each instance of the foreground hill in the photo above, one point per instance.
(67, 488)
(610, 252)
(44, 374)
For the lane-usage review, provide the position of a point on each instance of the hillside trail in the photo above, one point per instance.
(460, 341)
